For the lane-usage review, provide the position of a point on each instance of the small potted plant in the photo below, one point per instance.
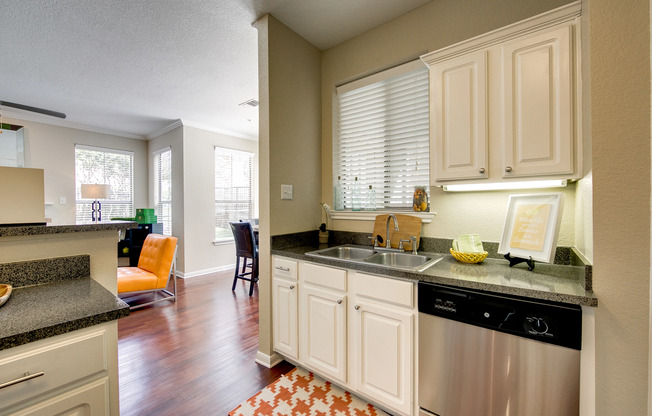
(323, 228)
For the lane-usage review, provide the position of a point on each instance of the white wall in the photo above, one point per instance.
(52, 148)
(200, 254)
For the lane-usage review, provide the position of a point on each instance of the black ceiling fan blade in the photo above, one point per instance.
(33, 109)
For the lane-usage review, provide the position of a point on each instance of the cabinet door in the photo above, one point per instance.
(323, 331)
(384, 353)
(459, 114)
(88, 400)
(539, 103)
(285, 322)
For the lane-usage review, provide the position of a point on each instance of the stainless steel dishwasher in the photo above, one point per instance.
(485, 354)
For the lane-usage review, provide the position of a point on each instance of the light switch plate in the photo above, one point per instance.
(286, 191)
(62, 200)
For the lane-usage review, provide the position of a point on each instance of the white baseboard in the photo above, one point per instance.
(268, 361)
(205, 271)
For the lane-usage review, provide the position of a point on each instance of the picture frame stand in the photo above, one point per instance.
(513, 261)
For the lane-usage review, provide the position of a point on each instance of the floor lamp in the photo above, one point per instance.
(95, 192)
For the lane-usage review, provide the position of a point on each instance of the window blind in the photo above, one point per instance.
(382, 135)
(95, 165)
(163, 188)
(233, 189)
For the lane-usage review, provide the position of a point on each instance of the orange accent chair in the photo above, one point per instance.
(155, 264)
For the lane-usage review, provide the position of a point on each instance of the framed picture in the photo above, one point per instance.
(532, 226)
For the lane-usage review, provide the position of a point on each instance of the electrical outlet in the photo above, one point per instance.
(286, 191)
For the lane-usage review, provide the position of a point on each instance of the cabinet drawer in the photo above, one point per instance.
(62, 362)
(384, 289)
(323, 276)
(284, 268)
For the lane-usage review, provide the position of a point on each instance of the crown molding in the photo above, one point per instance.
(162, 131)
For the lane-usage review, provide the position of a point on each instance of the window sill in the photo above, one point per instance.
(223, 241)
(426, 217)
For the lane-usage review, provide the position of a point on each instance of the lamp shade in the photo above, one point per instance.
(95, 191)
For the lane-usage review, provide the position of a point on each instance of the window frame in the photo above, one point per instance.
(157, 155)
(108, 202)
(385, 184)
(252, 157)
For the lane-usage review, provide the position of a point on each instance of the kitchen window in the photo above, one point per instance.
(234, 196)
(382, 136)
(96, 165)
(163, 188)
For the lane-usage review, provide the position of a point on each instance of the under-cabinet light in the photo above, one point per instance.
(499, 186)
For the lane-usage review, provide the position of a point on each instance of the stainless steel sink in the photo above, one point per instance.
(345, 252)
(379, 257)
(416, 262)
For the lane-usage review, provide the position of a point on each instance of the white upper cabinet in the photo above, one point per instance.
(507, 104)
(459, 110)
(539, 112)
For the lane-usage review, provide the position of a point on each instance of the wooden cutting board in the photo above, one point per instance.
(408, 225)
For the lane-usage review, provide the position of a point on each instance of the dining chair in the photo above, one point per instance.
(254, 224)
(152, 275)
(245, 249)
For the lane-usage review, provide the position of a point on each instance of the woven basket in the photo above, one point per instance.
(469, 257)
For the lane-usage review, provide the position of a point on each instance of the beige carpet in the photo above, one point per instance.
(300, 393)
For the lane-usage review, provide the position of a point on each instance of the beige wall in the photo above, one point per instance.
(200, 254)
(52, 148)
(289, 82)
(620, 105)
(174, 140)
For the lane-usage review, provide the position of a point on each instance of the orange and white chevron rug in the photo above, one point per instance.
(300, 393)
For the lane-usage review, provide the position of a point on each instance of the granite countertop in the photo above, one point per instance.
(28, 230)
(560, 283)
(41, 311)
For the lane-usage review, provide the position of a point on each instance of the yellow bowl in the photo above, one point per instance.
(5, 292)
(469, 257)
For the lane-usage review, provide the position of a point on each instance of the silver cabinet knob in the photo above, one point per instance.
(508, 169)
(356, 307)
(291, 286)
(339, 301)
(481, 171)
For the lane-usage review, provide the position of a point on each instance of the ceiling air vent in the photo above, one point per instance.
(252, 103)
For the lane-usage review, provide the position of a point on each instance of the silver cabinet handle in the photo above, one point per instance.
(26, 377)
(339, 301)
(481, 170)
(508, 169)
(356, 307)
(291, 287)
(283, 269)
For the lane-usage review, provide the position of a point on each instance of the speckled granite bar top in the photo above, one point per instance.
(41, 311)
(559, 283)
(16, 231)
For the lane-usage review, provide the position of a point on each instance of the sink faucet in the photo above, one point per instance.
(391, 216)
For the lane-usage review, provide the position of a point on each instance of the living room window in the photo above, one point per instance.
(381, 136)
(163, 188)
(234, 198)
(96, 165)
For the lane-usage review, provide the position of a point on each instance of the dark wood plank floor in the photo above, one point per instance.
(195, 356)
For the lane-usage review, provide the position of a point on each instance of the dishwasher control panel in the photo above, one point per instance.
(551, 322)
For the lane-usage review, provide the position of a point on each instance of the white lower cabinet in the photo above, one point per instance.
(284, 300)
(72, 374)
(322, 323)
(355, 329)
(383, 345)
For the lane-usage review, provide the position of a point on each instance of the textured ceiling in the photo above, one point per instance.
(135, 67)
